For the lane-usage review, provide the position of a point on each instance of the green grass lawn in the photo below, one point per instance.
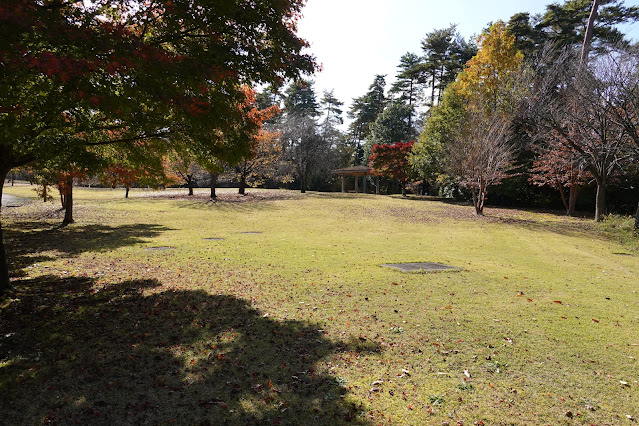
(132, 316)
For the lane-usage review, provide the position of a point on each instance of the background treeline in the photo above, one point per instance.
(477, 109)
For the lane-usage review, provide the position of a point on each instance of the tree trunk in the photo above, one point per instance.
(572, 199)
(303, 184)
(44, 193)
(68, 201)
(213, 184)
(474, 191)
(479, 196)
(4, 266)
(600, 208)
(432, 91)
(242, 190)
(585, 49)
(126, 191)
(637, 220)
(563, 200)
(189, 182)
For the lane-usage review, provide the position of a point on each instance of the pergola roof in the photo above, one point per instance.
(354, 171)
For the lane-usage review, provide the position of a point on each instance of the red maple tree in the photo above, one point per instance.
(391, 161)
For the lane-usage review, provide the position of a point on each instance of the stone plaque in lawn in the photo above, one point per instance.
(158, 248)
(213, 239)
(421, 266)
(251, 232)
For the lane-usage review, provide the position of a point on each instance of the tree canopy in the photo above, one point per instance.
(77, 77)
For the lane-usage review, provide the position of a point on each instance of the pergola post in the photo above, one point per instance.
(356, 172)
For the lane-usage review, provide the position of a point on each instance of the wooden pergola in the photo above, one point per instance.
(356, 171)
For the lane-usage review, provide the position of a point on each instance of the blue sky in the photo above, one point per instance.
(356, 39)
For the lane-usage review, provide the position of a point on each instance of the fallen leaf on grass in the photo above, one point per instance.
(558, 301)
(595, 320)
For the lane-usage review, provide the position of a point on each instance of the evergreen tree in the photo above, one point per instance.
(462, 51)
(437, 50)
(331, 107)
(364, 112)
(564, 26)
(393, 125)
(445, 55)
(527, 38)
(409, 79)
(300, 99)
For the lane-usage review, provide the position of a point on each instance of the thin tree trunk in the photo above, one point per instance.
(479, 197)
(126, 192)
(585, 49)
(563, 200)
(242, 190)
(68, 210)
(4, 266)
(600, 207)
(189, 182)
(480, 204)
(44, 193)
(432, 92)
(213, 184)
(572, 200)
(637, 220)
(303, 184)
(475, 200)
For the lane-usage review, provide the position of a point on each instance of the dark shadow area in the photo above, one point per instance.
(251, 201)
(71, 355)
(342, 194)
(507, 216)
(224, 206)
(421, 267)
(30, 242)
(570, 229)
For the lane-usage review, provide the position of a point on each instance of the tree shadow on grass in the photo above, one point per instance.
(30, 242)
(72, 355)
(564, 225)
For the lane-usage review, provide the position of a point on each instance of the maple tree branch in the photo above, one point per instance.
(158, 135)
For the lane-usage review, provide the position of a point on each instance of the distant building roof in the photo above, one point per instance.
(354, 171)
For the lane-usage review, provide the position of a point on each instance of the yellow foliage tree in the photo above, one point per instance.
(491, 76)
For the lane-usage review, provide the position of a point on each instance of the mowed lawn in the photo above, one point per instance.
(274, 309)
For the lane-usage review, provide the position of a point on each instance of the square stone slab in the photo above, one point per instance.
(421, 266)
